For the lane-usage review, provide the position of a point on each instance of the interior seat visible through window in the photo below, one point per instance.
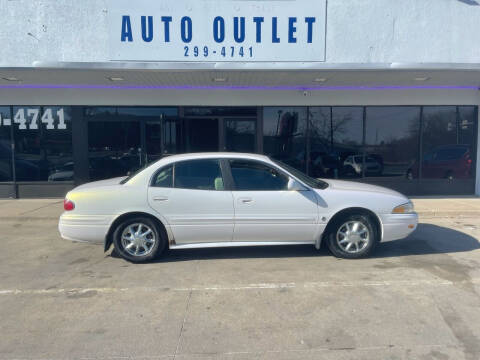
(199, 175)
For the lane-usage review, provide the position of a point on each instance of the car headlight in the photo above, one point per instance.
(406, 208)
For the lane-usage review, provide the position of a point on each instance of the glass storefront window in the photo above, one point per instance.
(220, 111)
(43, 143)
(113, 148)
(115, 138)
(284, 135)
(442, 156)
(467, 135)
(126, 113)
(240, 135)
(347, 140)
(391, 140)
(6, 173)
(324, 162)
(386, 145)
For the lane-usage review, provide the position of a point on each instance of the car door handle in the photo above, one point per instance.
(246, 200)
(160, 198)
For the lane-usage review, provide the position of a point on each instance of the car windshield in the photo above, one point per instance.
(315, 183)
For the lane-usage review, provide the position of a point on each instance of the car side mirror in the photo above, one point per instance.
(294, 185)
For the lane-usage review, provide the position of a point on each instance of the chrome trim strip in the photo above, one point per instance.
(239, 244)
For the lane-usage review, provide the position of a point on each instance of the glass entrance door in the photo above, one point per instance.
(153, 142)
(209, 134)
(240, 135)
(122, 140)
(202, 135)
(190, 135)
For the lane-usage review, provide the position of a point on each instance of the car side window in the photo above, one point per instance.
(198, 175)
(254, 176)
(163, 177)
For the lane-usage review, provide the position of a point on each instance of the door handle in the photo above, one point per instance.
(246, 200)
(160, 198)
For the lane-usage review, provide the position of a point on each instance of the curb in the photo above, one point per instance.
(437, 214)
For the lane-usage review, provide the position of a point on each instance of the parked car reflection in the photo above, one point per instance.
(62, 172)
(445, 162)
(105, 163)
(355, 163)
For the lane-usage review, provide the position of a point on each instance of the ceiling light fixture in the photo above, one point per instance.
(115, 78)
(219, 79)
(11, 78)
(320, 80)
(421, 78)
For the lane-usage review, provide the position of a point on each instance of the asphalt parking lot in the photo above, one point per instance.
(417, 298)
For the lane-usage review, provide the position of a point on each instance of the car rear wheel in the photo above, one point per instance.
(352, 237)
(449, 175)
(138, 239)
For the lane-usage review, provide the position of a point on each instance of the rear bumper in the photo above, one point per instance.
(398, 226)
(84, 228)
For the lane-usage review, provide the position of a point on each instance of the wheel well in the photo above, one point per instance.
(123, 217)
(354, 211)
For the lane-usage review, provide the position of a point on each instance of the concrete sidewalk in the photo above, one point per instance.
(427, 207)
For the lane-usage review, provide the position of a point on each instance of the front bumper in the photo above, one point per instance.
(398, 226)
(84, 228)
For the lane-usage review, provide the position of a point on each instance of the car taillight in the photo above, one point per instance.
(68, 205)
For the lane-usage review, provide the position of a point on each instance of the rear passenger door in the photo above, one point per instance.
(191, 196)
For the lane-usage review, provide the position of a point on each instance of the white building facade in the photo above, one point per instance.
(379, 91)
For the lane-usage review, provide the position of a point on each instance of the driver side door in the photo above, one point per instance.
(265, 210)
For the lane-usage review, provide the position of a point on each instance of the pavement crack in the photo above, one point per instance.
(462, 332)
(41, 207)
(183, 323)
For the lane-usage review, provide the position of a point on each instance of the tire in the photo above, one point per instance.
(449, 175)
(131, 243)
(365, 237)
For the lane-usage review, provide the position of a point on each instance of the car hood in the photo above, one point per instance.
(101, 183)
(356, 186)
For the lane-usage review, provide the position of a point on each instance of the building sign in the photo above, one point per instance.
(29, 118)
(208, 30)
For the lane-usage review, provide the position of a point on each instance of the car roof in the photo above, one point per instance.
(216, 155)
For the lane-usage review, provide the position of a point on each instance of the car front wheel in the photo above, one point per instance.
(138, 239)
(352, 237)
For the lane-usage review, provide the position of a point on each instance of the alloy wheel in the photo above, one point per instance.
(138, 239)
(353, 236)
